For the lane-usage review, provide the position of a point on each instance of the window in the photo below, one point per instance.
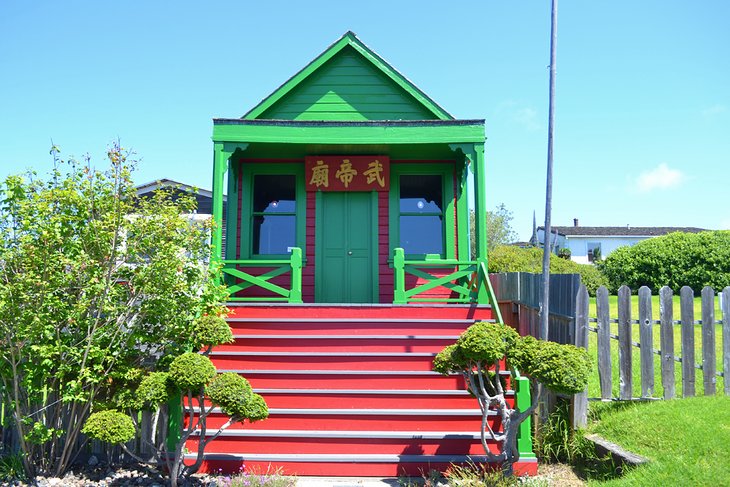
(594, 251)
(421, 214)
(274, 215)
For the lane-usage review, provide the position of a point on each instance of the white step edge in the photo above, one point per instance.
(369, 412)
(419, 435)
(347, 458)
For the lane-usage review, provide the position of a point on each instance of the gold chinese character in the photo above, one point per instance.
(375, 172)
(320, 175)
(345, 173)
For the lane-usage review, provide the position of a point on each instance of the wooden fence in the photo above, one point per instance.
(662, 343)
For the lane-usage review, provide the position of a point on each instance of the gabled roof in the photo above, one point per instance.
(349, 41)
(169, 183)
(626, 231)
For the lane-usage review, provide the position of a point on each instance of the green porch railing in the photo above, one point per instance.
(280, 266)
(469, 281)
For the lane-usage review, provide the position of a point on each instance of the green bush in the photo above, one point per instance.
(153, 390)
(235, 397)
(211, 330)
(109, 426)
(508, 258)
(191, 371)
(675, 260)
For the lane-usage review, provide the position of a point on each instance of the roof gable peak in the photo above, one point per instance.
(349, 39)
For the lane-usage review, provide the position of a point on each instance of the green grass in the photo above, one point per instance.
(687, 440)
(594, 384)
(613, 307)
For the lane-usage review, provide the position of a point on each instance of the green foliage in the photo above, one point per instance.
(508, 258)
(191, 371)
(485, 342)
(94, 282)
(560, 368)
(675, 260)
(484, 475)
(449, 360)
(269, 478)
(154, 389)
(499, 228)
(235, 397)
(109, 426)
(211, 330)
(11, 468)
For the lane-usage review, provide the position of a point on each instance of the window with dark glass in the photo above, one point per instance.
(274, 214)
(421, 214)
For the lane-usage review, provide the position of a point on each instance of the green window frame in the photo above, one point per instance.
(248, 215)
(446, 172)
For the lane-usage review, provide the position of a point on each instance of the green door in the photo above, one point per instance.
(346, 237)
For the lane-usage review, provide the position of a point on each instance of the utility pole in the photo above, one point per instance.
(547, 248)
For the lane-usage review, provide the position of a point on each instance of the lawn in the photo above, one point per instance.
(686, 440)
(594, 385)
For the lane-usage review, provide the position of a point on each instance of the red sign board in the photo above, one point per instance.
(347, 173)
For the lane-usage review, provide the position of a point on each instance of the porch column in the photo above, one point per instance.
(220, 166)
(480, 202)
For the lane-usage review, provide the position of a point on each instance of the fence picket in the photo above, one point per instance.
(604, 343)
(646, 340)
(709, 380)
(726, 340)
(580, 400)
(624, 342)
(666, 317)
(686, 302)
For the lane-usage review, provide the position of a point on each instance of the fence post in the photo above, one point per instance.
(708, 341)
(726, 340)
(399, 278)
(666, 316)
(646, 340)
(686, 301)
(295, 294)
(580, 400)
(605, 373)
(624, 343)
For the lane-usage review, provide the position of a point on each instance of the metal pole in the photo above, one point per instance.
(545, 308)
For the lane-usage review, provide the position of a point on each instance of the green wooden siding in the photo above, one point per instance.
(348, 88)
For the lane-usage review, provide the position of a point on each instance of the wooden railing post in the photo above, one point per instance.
(295, 294)
(399, 277)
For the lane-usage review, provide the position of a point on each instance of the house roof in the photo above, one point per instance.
(627, 231)
(169, 183)
(366, 56)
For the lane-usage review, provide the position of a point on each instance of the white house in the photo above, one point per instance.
(585, 243)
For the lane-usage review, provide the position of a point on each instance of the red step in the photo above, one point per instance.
(350, 389)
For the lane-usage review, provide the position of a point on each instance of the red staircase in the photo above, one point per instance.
(350, 391)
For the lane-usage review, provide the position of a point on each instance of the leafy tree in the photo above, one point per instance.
(478, 355)
(193, 376)
(499, 228)
(508, 258)
(675, 260)
(95, 285)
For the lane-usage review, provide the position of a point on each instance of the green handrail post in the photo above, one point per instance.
(523, 401)
(399, 277)
(295, 294)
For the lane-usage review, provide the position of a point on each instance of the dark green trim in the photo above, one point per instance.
(232, 211)
(446, 171)
(377, 133)
(348, 39)
(253, 169)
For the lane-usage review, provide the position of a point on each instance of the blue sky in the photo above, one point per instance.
(642, 105)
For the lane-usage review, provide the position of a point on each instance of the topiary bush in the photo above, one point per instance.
(153, 390)
(191, 371)
(211, 330)
(477, 354)
(235, 397)
(675, 260)
(110, 426)
(508, 258)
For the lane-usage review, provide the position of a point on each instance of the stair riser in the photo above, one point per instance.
(342, 422)
(365, 381)
(325, 469)
(409, 312)
(299, 362)
(347, 328)
(303, 344)
(345, 446)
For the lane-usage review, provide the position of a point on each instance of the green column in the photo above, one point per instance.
(220, 166)
(399, 277)
(523, 401)
(480, 201)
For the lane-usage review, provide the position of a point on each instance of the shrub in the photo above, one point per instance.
(675, 260)
(109, 426)
(210, 330)
(236, 398)
(191, 371)
(153, 390)
(508, 258)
